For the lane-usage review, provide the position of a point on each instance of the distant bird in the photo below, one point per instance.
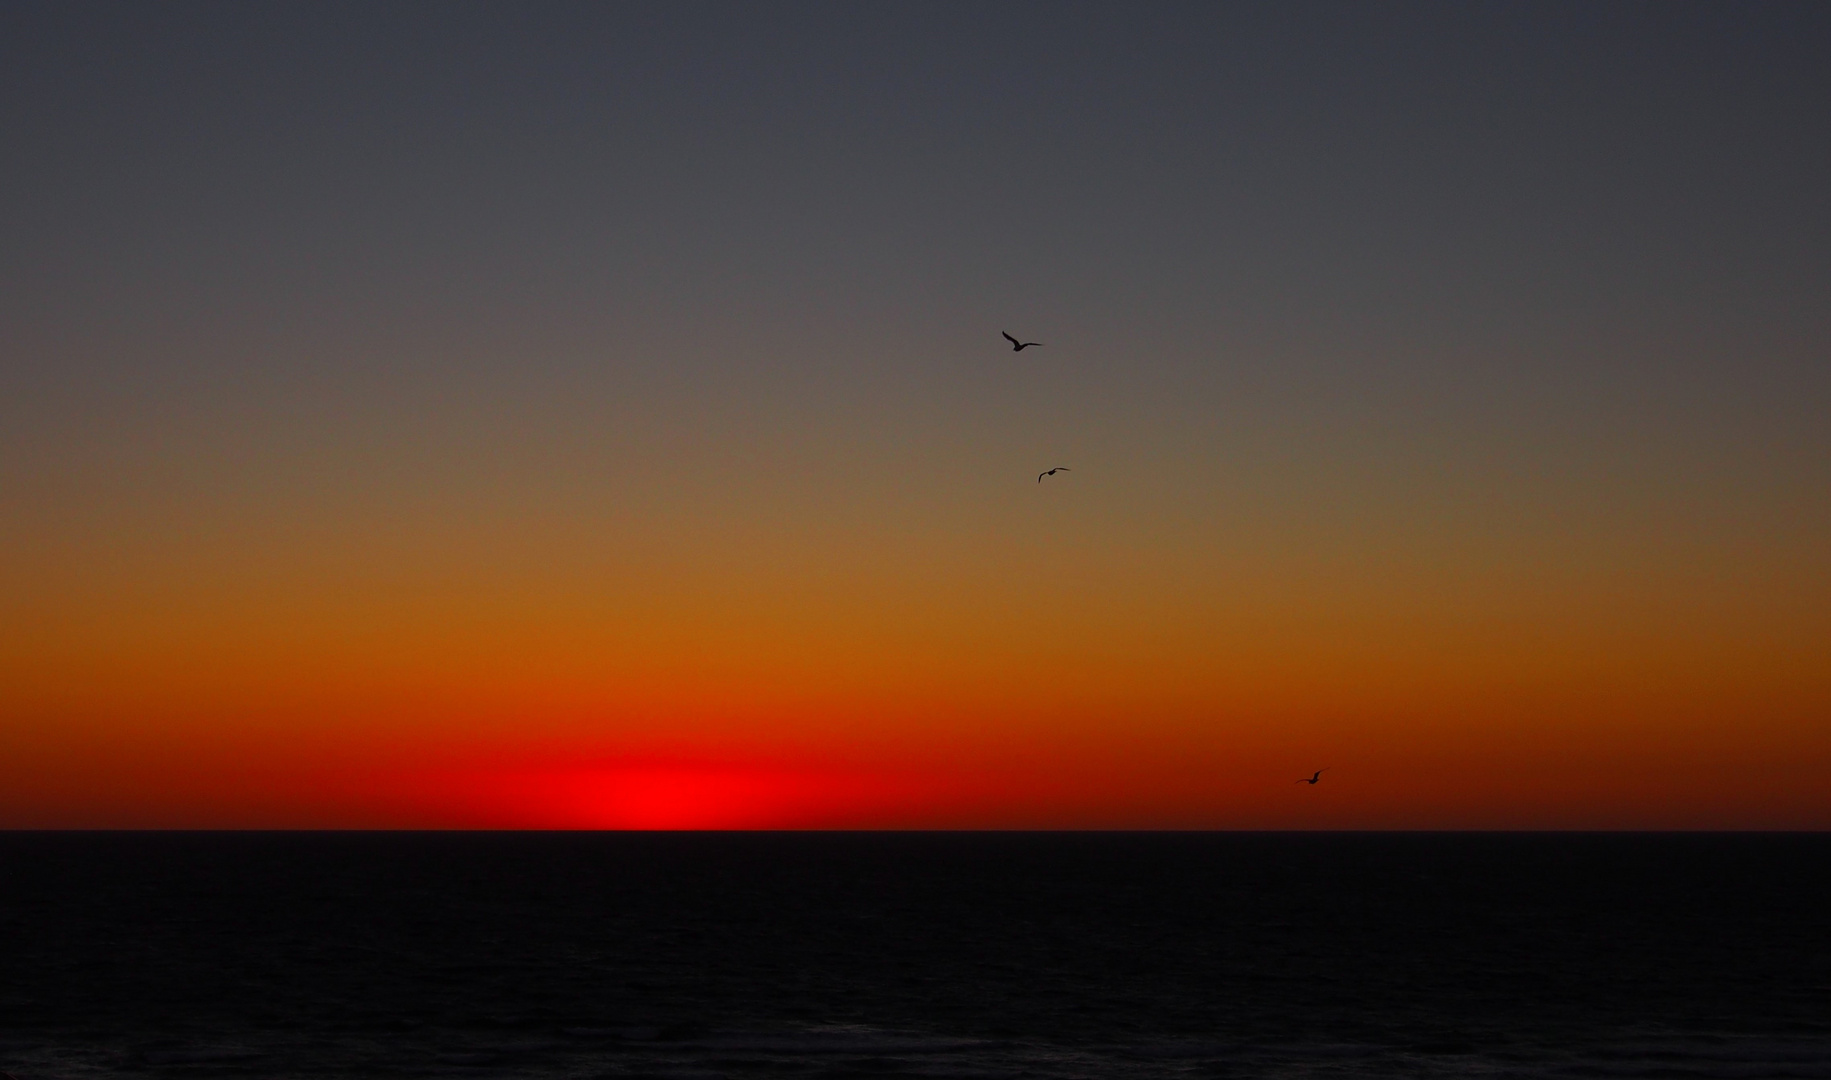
(1016, 345)
(1317, 775)
(1052, 472)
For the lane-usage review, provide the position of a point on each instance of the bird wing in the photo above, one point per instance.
(1010, 339)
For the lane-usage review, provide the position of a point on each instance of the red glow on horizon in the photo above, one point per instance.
(669, 795)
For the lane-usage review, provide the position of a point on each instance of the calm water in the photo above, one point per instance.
(913, 955)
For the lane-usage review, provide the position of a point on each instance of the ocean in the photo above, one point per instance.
(826, 955)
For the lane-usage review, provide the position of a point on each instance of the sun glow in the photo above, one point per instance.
(666, 795)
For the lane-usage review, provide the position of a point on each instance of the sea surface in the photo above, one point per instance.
(914, 955)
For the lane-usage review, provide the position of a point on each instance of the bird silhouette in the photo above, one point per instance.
(1317, 775)
(1052, 472)
(1016, 345)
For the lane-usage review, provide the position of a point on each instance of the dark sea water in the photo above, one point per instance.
(914, 955)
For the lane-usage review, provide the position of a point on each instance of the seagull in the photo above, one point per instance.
(1052, 472)
(1317, 775)
(1016, 345)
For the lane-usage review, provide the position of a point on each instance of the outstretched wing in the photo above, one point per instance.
(1010, 339)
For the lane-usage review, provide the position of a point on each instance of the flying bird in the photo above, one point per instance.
(1317, 775)
(1016, 345)
(1052, 472)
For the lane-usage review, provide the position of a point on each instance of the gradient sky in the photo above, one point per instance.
(544, 415)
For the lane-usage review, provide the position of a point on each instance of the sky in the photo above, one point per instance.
(458, 415)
